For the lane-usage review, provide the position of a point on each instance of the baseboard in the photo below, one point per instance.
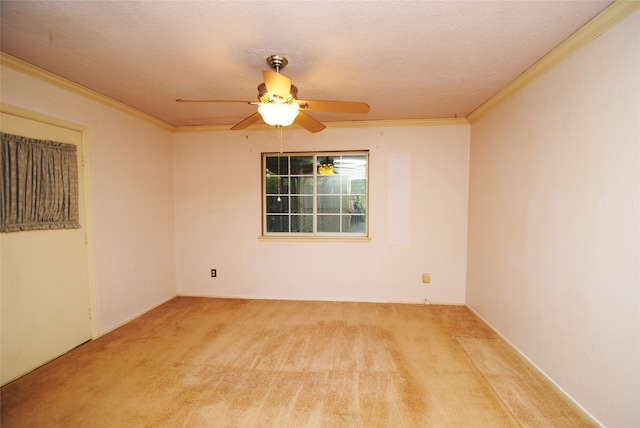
(535, 366)
(309, 299)
(138, 315)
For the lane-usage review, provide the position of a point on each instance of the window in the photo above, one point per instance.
(315, 194)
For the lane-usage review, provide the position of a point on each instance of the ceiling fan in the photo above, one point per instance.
(278, 103)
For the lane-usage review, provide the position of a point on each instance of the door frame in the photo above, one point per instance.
(86, 175)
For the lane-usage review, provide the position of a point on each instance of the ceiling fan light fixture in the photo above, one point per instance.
(277, 114)
(278, 103)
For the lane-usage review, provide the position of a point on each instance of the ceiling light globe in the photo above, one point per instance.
(278, 114)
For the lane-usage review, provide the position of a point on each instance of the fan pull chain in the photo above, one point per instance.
(280, 141)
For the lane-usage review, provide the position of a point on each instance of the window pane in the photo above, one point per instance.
(277, 206)
(355, 204)
(356, 186)
(277, 223)
(325, 165)
(353, 223)
(301, 165)
(277, 185)
(328, 223)
(329, 204)
(272, 185)
(284, 185)
(278, 165)
(305, 185)
(328, 184)
(302, 223)
(347, 204)
(352, 165)
(301, 185)
(302, 204)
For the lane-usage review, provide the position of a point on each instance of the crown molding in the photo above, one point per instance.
(346, 124)
(39, 73)
(594, 28)
(206, 128)
(399, 122)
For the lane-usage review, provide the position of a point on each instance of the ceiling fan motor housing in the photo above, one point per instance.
(264, 97)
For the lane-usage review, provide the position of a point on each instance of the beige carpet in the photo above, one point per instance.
(198, 362)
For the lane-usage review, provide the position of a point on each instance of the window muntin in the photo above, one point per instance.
(315, 194)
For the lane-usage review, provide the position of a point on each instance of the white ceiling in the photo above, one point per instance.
(407, 59)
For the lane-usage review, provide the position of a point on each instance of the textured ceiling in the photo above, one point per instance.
(407, 59)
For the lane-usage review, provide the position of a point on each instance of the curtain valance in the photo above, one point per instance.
(39, 184)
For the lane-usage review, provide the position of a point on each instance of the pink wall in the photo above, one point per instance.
(132, 191)
(554, 235)
(418, 215)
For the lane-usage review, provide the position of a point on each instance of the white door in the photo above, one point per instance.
(44, 279)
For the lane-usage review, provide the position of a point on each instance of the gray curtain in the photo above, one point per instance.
(39, 185)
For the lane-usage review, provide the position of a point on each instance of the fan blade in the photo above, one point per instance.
(277, 84)
(309, 123)
(197, 100)
(248, 121)
(334, 106)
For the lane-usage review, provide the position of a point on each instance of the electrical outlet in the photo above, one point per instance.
(426, 278)
(213, 273)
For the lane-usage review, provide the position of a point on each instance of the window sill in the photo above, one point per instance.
(360, 239)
